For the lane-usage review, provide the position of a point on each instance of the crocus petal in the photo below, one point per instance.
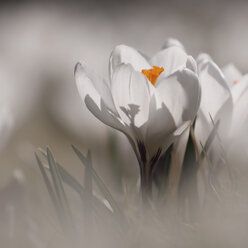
(191, 64)
(123, 54)
(216, 101)
(215, 91)
(160, 126)
(232, 74)
(177, 157)
(238, 89)
(172, 42)
(181, 93)
(140, 96)
(103, 114)
(131, 93)
(202, 59)
(171, 59)
(99, 105)
(240, 113)
(85, 86)
(160, 119)
(110, 119)
(224, 114)
(89, 83)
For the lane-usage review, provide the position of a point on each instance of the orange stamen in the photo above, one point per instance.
(235, 82)
(153, 74)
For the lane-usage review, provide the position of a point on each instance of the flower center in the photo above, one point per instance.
(235, 82)
(153, 74)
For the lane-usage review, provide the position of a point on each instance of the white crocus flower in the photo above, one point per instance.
(238, 84)
(151, 101)
(225, 98)
(216, 100)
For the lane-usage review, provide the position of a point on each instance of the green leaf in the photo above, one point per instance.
(59, 189)
(57, 205)
(47, 182)
(69, 179)
(104, 190)
(89, 200)
(55, 176)
(88, 176)
(72, 182)
(161, 172)
(116, 162)
(188, 181)
(209, 141)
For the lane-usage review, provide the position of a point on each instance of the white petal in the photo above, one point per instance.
(171, 59)
(140, 95)
(240, 114)
(85, 85)
(173, 42)
(191, 64)
(123, 54)
(102, 113)
(216, 102)
(225, 116)
(181, 94)
(202, 59)
(161, 126)
(160, 119)
(215, 91)
(93, 100)
(178, 153)
(239, 88)
(89, 83)
(131, 93)
(231, 74)
(180, 144)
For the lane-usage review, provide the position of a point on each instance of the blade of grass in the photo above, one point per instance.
(188, 181)
(59, 187)
(47, 182)
(161, 172)
(68, 178)
(210, 165)
(55, 178)
(115, 160)
(88, 203)
(209, 141)
(230, 171)
(88, 176)
(57, 205)
(74, 184)
(102, 187)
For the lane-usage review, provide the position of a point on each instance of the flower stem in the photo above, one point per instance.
(146, 183)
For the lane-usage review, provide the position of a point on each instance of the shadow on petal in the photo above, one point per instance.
(104, 114)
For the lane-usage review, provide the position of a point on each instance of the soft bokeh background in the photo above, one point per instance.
(40, 42)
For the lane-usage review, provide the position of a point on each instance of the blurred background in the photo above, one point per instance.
(41, 41)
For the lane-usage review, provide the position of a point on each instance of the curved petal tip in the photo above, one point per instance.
(80, 66)
(172, 42)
